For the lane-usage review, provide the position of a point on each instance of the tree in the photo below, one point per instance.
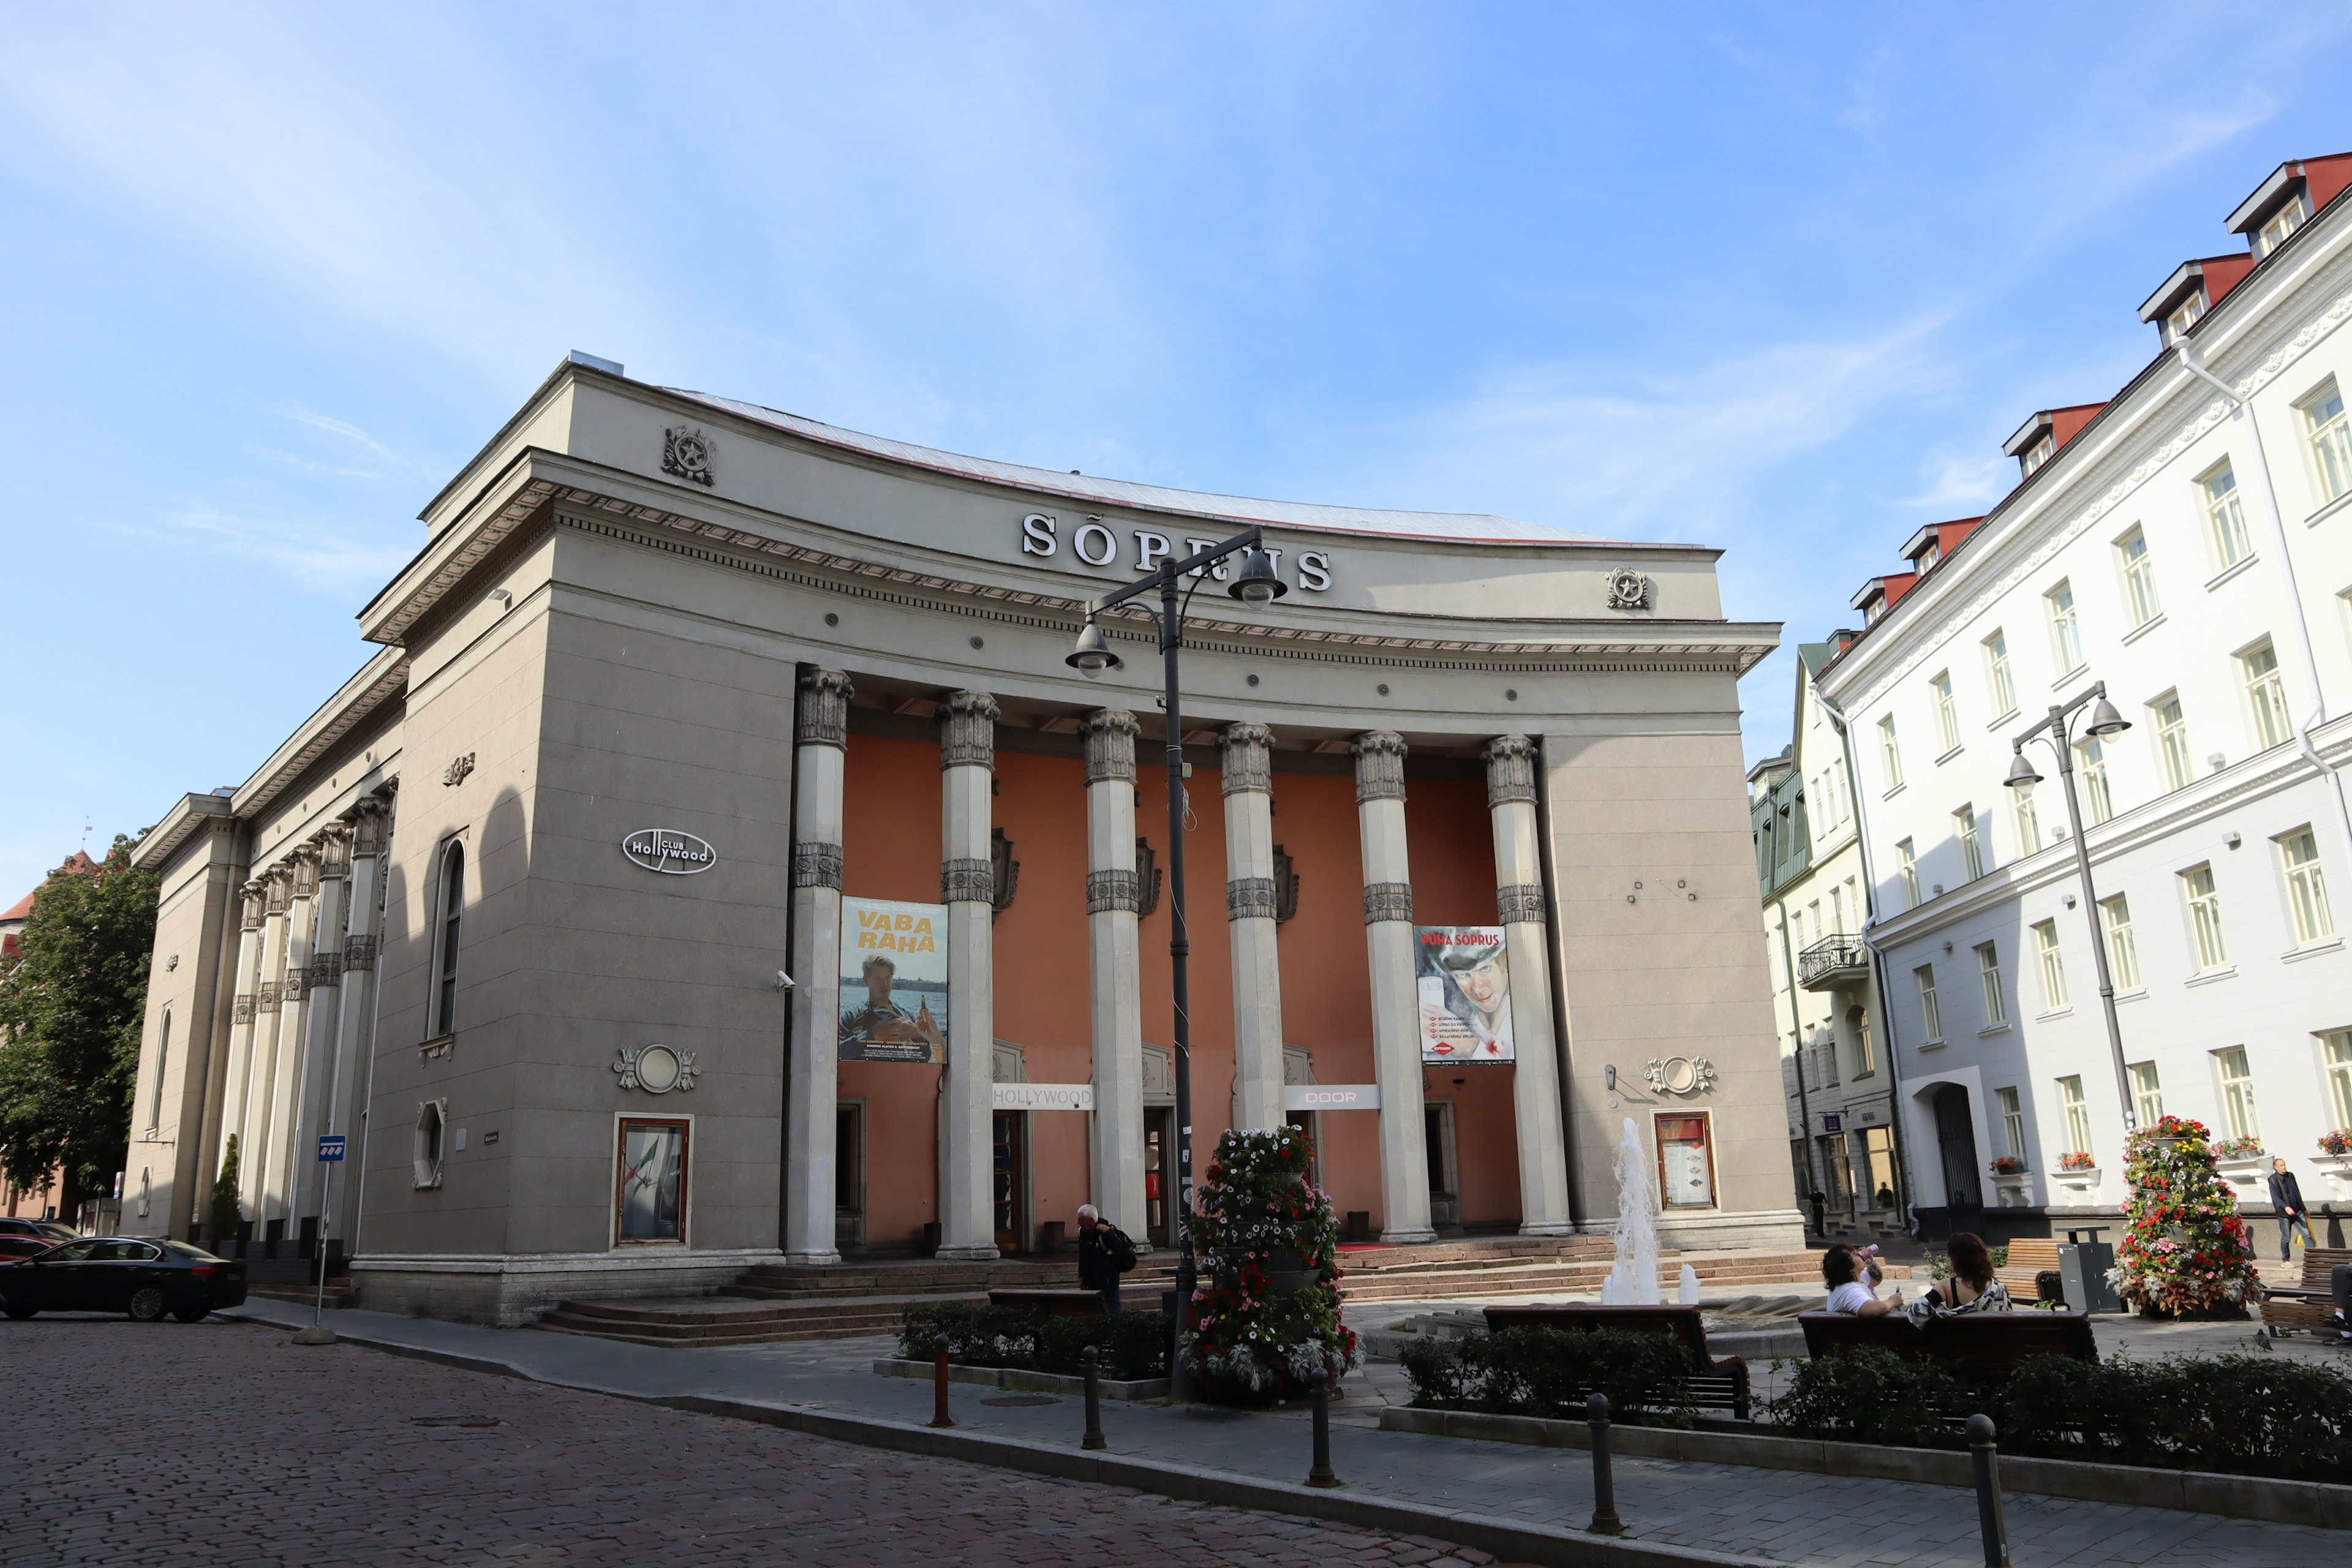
(2185, 1249)
(224, 1217)
(71, 1009)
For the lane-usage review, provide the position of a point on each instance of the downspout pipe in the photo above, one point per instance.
(1797, 1033)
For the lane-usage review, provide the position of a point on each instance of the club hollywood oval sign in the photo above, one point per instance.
(669, 851)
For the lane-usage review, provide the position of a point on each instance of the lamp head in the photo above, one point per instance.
(2106, 720)
(2021, 774)
(1255, 585)
(1093, 654)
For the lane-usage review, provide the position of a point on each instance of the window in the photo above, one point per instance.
(2205, 916)
(2278, 226)
(1865, 1048)
(2225, 517)
(1997, 676)
(1931, 1017)
(1837, 911)
(1948, 717)
(649, 1194)
(2172, 742)
(1908, 862)
(2078, 1114)
(2096, 793)
(432, 1130)
(1964, 825)
(2184, 315)
(1929, 557)
(2306, 891)
(2065, 632)
(445, 965)
(2029, 820)
(2139, 578)
(2039, 453)
(2331, 440)
(2267, 694)
(1888, 754)
(163, 1063)
(2054, 966)
(2237, 1093)
(2337, 1050)
(2012, 1121)
(2148, 1095)
(1989, 971)
(2123, 948)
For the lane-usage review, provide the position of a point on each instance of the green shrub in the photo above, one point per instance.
(1134, 1345)
(1870, 1395)
(222, 1217)
(1551, 1373)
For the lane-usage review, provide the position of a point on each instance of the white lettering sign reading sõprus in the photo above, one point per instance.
(669, 851)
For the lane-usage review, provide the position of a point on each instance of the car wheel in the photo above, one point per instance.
(148, 1304)
(191, 1314)
(13, 1310)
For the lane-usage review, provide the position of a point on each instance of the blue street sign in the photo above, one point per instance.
(330, 1147)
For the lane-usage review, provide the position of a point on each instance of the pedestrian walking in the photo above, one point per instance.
(1819, 1201)
(2286, 1202)
(1104, 1254)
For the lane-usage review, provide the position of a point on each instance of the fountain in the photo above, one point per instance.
(1634, 1281)
(1689, 1295)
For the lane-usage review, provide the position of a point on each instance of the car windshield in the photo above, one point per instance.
(195, 1254)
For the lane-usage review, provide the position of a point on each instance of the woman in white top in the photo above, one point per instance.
(1843, 1269)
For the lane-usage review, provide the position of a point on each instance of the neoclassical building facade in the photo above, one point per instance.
(719, 860)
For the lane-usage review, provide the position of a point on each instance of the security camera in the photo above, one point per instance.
(783, 980)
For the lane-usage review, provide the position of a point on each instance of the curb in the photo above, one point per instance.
(1017, 1377)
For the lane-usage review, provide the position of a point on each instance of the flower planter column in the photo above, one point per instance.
(1535, 1076)
(1396, 1032)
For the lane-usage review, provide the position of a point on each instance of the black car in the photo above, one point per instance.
(29, 1238)
(123, 1274)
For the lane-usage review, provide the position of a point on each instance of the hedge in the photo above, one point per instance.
(1134, 1345)
(1547, 1373)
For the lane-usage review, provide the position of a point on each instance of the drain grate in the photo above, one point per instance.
(456, 1421)
(1021, 1399)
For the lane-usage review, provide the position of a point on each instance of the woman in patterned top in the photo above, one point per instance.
(1972, 1287)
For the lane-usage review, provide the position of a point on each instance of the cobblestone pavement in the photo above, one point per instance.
(223, 1444)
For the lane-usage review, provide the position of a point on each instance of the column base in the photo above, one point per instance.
(1406, 1237)
(811, 1259)
(1549, 1227)
(967, 1254)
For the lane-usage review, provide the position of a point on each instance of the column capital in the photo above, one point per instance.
(1110, 735)
(1380, 766)
(255, 894)
(1510, 770)
(334, 845)
(279, 883)
(824, 717)
(370, 821)
(968, 730)
(1248, 759)
(302, 870)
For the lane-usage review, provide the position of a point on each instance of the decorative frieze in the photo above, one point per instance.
(327, 970)
(1249, 897)
(1521, 903)
(297, 984)
(243, 1012)
(822, 719)
(1510, 770)
(816, 866)
(1114, 889)
(1387, 901)
(967, 880)
(1380, 766)
(358, 951)
(256, 895)
(1110, 745)
(1248, 759)
(268, 1001)
(968, 730)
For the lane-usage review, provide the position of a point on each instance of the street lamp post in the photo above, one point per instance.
(1253, 585)
(2104, 721)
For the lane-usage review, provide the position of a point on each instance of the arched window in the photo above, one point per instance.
(162, 1064)
(444, 969)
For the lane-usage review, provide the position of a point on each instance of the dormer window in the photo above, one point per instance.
(2184, 316)
(1933, 553)
(2275, 228)
(2044, 447)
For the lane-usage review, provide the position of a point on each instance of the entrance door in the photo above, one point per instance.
(1956, 1138)
(1159, 1181)
(1445, 1178)
(1011, 1220)
(850, 1175)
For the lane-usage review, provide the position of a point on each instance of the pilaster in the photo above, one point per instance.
(347, 1088)
(967, 886)
(261, 1072)
(245, 1012)
(320, 1013)
(1521, 908)
(1396, 1033)
(1114, 904)
(820, 734)
(1248, 758)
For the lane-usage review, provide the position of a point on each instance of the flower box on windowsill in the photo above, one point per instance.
(2015, 1189)
(2245, 1173)
(2079, 1185)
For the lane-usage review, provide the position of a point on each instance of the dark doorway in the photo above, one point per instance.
(1159, 1139)
(1012, 1223)
(1444, 1183)
(850, 1175)
(1956, 1140)
(1305, 1121)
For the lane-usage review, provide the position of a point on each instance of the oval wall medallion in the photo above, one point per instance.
(656, 1070)
(669, 851)
(1682, 1075)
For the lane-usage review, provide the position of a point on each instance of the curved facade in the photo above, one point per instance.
(681, 694)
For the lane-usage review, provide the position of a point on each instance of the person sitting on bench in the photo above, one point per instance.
(1841, 1268)
(2339, 1281)
(1972, 1288)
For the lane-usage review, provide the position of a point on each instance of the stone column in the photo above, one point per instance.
(1249, 919)
(371, 829)
(1114, 907)
(1535, 1078)
(968, 886)
(243, 1015)
(820, 747)
(261, 1072)
(322, 1011)
(1396, 1027)
(302, 865)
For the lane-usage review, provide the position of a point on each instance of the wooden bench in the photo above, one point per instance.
(1716, 1383)
(2029, 1257)
(1070, 1303)
(1987, 1344)
(2310, 1303)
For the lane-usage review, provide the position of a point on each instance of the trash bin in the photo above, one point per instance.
(2083, 1265)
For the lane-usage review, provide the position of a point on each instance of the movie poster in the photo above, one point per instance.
(1465, 979)
(894, 981)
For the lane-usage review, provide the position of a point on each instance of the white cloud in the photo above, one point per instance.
(330, 557)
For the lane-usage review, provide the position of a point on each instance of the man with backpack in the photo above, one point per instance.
(1104, 1254)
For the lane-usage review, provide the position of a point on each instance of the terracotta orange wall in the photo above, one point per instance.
(1326, 1000)
(891, 850)
(1450, 837)
(1212, 967)
(1042, 972)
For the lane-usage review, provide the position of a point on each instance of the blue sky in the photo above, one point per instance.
(1775, 279)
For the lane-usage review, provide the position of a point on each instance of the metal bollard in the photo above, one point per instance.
(1093, 1438)
(1990, 1517)
(1604, 1488)
(939, 1416)
(1322, 1475)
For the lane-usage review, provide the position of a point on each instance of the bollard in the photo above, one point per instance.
(1322, 1475)
(1093, 1438)
(1990, 1517)
(1604, 1489)
(939, 1416)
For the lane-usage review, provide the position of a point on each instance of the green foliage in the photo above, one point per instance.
(222, 1215)
(1939, 1264)
(1258, 1217)
(1551, 1373)
(2185, 1248)
(71, 1009)
(1134, 1345)
(2239, 1413)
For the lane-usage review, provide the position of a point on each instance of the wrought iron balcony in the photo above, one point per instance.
(1832, 962)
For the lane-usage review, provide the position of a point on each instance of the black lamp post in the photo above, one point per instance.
(1253, 585)
(2104, 721)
